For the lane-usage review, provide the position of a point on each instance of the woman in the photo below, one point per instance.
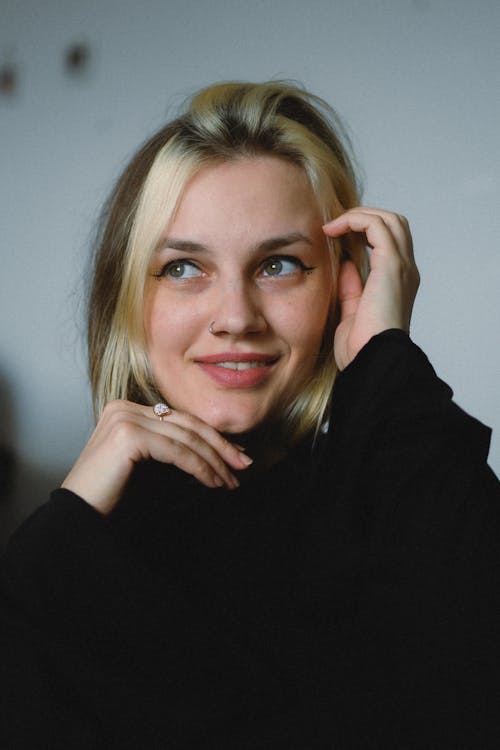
(242, 557)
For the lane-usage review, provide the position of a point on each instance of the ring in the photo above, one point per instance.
(162, 410)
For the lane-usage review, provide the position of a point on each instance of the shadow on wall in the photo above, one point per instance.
(23, 487)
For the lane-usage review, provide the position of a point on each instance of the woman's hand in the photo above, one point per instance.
(128, 433)
(387, 298)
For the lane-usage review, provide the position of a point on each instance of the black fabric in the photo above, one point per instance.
(349, 597)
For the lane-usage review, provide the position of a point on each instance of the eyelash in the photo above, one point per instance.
(273, 259)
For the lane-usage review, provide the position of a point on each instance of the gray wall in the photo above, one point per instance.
(417, 81)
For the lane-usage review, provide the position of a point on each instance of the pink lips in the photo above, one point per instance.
(237, 370)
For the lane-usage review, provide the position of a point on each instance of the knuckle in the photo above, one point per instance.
(177, 448)
(206, 472)
(124, 429)
(123, 433)
(184, 456)
(113, 406)
(227, 448)
(193, 439)
(116, 407)
(199, 468)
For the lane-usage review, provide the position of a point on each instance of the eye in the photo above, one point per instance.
(283, 266)
(178, 269)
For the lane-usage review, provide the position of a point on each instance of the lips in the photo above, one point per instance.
(238, 370)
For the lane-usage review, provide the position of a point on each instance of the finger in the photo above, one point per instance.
(385, 232)
(177, 438)
(349, 289)
(398, 225)
(230, 453)
(178, 453)
(174, 436)
(378, 233)
(390, 217)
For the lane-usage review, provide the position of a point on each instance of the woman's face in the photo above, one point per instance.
(238, 293)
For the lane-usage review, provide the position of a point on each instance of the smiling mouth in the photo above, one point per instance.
(240, 371)
(239, 365)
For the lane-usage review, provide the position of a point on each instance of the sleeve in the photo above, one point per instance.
(46, 563)
(392, 385)
(65, 563)
(409, 469)
(72, 601)
(397, 433)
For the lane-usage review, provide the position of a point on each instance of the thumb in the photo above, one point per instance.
(349, 289)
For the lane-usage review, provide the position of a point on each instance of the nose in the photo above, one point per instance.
(237, 311)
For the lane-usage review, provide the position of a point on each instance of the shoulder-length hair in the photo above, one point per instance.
(220, 123)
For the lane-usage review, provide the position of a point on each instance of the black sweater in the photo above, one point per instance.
(348, 597)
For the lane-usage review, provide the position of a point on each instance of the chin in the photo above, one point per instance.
(233, 427)
(233, 424)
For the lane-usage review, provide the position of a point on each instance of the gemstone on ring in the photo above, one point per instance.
(161, 410)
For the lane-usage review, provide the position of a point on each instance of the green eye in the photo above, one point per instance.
(181, 270)
(176, 271)
(274, 268)
(282, 266)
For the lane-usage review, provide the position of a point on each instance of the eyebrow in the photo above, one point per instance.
(274, 243)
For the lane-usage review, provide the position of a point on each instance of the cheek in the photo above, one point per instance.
(170, 328)
(305, 318)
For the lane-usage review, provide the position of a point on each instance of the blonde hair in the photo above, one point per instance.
(220, 123)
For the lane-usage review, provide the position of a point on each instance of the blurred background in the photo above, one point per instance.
(83, 84)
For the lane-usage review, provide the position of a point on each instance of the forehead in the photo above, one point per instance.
(255, 194)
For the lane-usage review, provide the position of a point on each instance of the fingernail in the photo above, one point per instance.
(246, 460)
(218, 481)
